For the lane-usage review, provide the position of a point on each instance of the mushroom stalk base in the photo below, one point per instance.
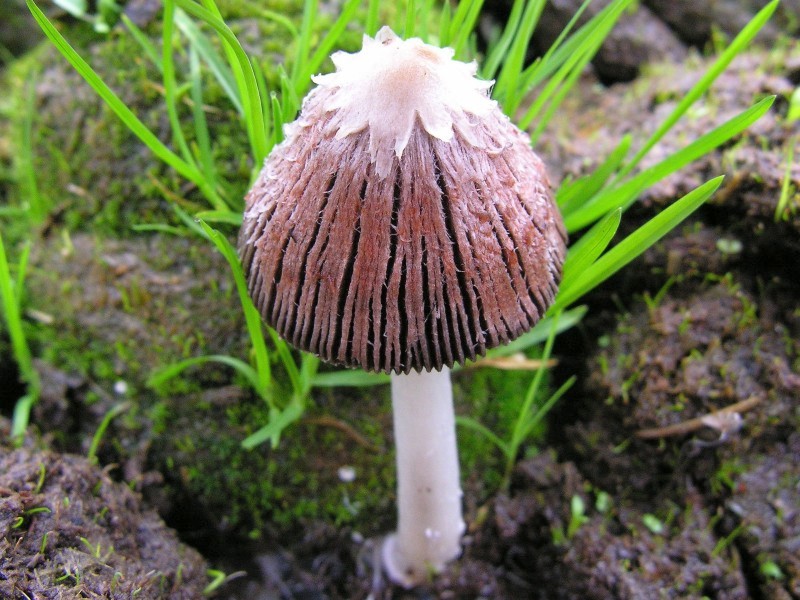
(430, 522)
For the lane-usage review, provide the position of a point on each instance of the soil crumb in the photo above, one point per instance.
(68, 531)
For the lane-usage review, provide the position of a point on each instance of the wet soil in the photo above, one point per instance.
(643, 489)
(67, 530)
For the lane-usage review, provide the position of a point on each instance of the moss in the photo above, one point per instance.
(478, 396)
(91, 168)
(123, 309)
(494, 398)
(264, 491)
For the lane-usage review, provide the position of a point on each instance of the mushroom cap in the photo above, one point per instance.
(404, 223)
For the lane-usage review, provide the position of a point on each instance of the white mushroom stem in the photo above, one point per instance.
(430, 523)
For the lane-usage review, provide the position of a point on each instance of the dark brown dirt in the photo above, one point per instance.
(528, 544)
(672, 363)
(68, 531)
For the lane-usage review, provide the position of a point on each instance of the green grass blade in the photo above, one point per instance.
(507, 90)
(289, 99)
(22, 271)
(497, 52)
(560, 68)
(540, 332)
(9, 297)
(556, 45)
(313, 65)
(444, 24)
(37, 206)
(77, 8)
(781, 211)
(349, 378)
(543, 118)
(622, 195)
(533, 419)
(304, 43)
(562, 81)
(191, 223)
(309, 364)
(243, 74)
(170, 85)
(221, 71)
(19, 345)
(15, 212)
(22, 416)
(285, 354)
(271, 123)
(148, 47)
(278, 421)
(636, 243)
(161, 376)
(739, 43)
(373, 15)
(571, 194)
(115, 411)
(566, 59)
(411, 19)
(277, 116)
(201, 133)
(423, 31)
(281, 19)
(118, 106)
(591, 245)
(793, 114)
(558, 53)
(464, 22)
(472, 424)
(518, 431)
(229, 217)
(252, 317)
(159, 228)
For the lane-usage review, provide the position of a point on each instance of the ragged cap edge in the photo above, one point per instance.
(390, 83)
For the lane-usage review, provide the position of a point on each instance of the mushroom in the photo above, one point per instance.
(405, 225)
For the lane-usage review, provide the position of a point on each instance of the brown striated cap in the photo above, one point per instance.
(404, 223)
